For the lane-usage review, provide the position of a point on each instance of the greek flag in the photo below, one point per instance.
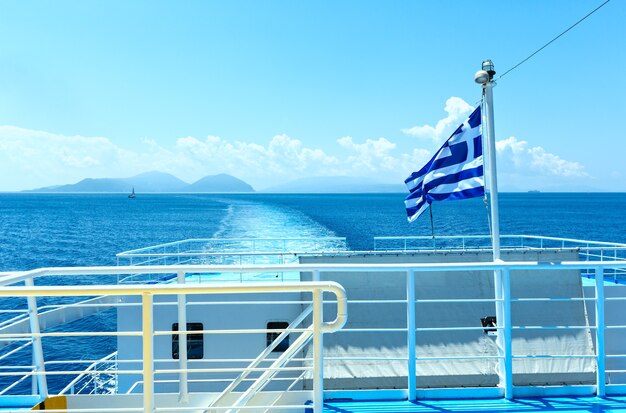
(455, 172)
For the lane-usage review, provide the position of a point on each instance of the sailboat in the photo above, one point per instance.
(132, 194)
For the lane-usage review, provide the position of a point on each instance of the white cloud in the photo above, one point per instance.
(375, 158)
(373, 155)
(285, 158)
(31, 159)
(518, 154)
(457, 110)
(281, 158)
(520, 164)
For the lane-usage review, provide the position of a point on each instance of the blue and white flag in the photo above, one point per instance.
(455, 172)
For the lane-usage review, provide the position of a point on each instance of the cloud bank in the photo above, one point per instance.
(519, 155)
(32, 159)
(457, 110)
(520, 165)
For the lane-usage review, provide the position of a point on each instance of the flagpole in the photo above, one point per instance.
(485, 78)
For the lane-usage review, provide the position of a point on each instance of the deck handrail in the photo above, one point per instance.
(487, 238)
(261, 357)
(250, 268)
(92, 368)
(225, 240)
(147, 294)
(147, 291)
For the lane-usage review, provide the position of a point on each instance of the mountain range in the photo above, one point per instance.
(161, 182)
(154, 182)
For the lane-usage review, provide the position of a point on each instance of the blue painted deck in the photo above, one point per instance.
(548, 404)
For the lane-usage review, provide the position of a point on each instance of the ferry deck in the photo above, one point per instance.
(418, 325)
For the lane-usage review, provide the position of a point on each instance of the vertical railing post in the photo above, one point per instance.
(318, 351)
(600, 324)
(35, 330)
(615, 270)
(148, 352)
(33, 384)
(183, 389)
(508, 335)
(499, 304)
(410, 338)
(497, 287)
(315, 276)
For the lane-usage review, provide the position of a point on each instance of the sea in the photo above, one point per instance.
(53, 230)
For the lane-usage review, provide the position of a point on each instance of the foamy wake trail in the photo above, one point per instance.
(249, 219)
(224, 222)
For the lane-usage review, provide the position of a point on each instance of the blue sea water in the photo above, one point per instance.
(45, 230)
(42, 230)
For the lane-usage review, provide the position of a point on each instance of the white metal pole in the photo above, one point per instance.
(148, 352)
(493, 177)
(33, 386)
(33, 318)
(600, 324)
(183, 388)
(315, 276)
(508, 334)
(410, 341)
(318, 356)
(489, 128)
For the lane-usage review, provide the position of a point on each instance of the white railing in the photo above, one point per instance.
(588, 250)
(94, 380)
(263, 356)
(505, 328)
(230, 251)
(470, 242)
(147, 293)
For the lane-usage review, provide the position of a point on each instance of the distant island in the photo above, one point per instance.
(153, 182)
(161, 182)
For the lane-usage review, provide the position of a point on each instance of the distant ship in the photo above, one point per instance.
(132, 194)
(534, 191)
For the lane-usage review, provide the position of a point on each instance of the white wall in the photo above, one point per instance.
(388, 372)
(216, 346)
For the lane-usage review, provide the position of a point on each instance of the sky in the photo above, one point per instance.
(271, 91)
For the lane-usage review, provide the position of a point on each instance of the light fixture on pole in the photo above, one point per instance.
(488, 67)
(485, 75)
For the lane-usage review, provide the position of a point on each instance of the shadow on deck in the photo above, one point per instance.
(556, 404)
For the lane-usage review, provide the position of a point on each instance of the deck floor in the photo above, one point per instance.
(550, 404)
